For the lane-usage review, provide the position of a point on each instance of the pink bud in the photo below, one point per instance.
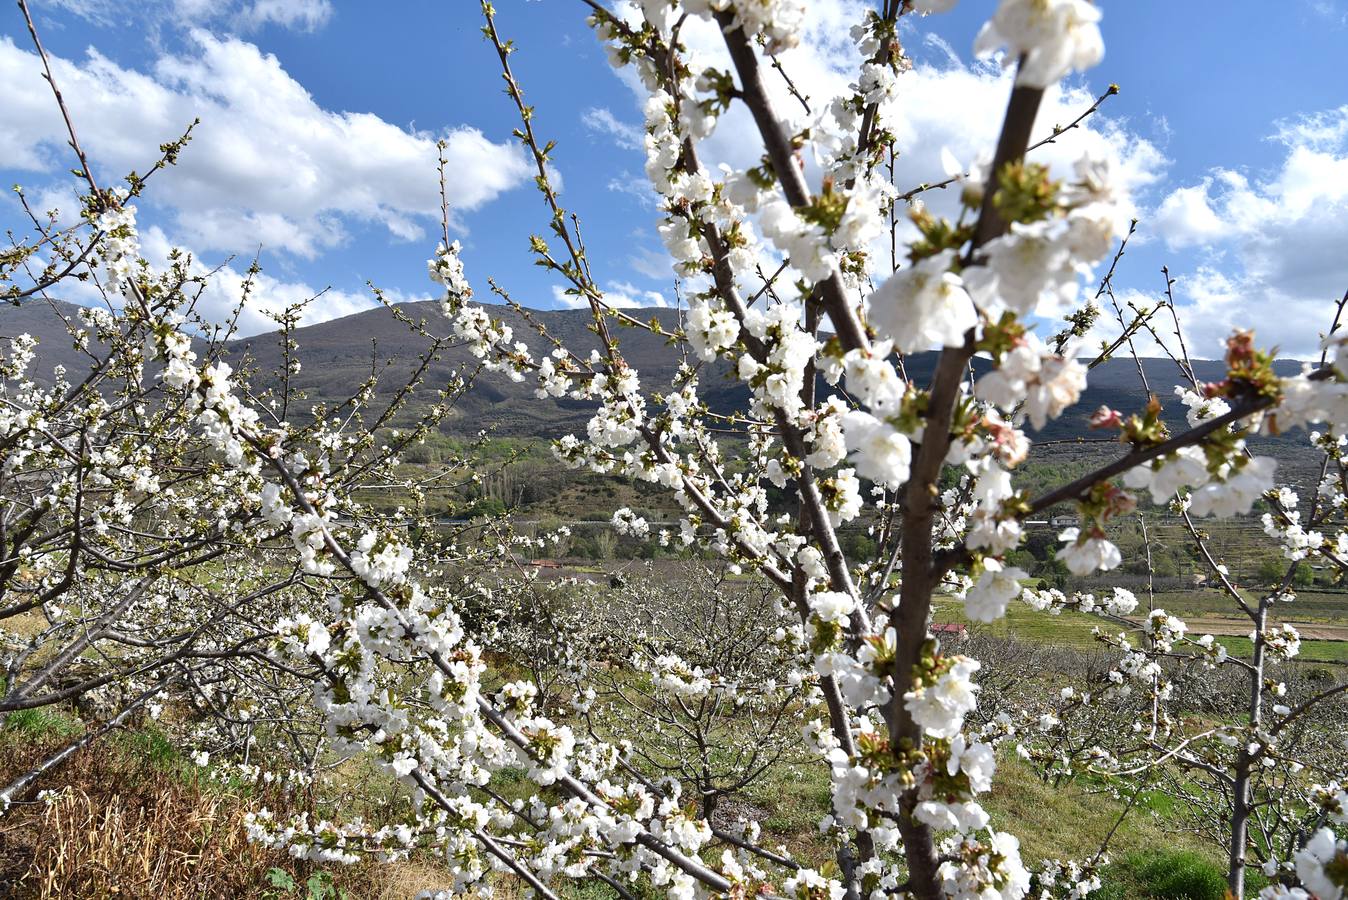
(1104, 417)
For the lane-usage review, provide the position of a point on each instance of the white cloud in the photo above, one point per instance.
(267, 164)
(1186, 216)
(1329, 10)
(619, 294)
(223, 291)
(638, 187)
(651, 263)
(304, 15)
(272, 295)
(1270, 246)
(244, 15)
(624, 134)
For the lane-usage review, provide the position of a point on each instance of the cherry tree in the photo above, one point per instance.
(786, 292)
(895, 700)
(144, 558)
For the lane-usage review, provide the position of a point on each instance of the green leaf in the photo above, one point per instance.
(320, 886)
(280, 878)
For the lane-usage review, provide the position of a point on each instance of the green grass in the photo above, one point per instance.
(1311, 605)
(39, 723)
(795, 798)
(1311, 651)
(1072, 629)
(153, 746)
(1070, 821)
(1168, 875)
(1065, 822)
(1068, 629)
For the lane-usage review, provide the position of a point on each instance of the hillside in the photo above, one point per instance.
(338, 355)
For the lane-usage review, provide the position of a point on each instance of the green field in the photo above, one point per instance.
(1072, 629)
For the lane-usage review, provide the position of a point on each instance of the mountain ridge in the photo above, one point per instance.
(337, 356)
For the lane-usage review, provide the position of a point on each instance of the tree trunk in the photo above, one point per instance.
(1240, 789)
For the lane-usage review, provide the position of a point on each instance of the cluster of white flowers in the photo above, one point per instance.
(1088, 551)
(629, 523)
(994, 590)
(1282, 642)
(1119, 603)
(878, 450)
(807, 884)
(1235, 489)
(989, 528)
(1055, 37)
(1287, 529)
(1201, 409)
(380, 561)
(1070, 880)
(446, 268)
(923, 306)
(120, 244)
(967, 770)
(1136, 666)
(985, 869)
(670, 673)
(180, 371)
(711, 329)
(1045, 383)
(1164, 629)
(805, 244)
(941, 705)
(1320, 867)
(779, 376)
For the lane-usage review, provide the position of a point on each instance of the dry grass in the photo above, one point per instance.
(125, 822)
(169, 841)
(130, 818)
(406, 879)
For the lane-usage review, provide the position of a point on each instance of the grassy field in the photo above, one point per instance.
(1071, 629)
(1066, 822)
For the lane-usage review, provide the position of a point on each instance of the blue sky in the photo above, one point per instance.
(318, 119)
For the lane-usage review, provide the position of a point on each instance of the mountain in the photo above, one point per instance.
(337, 356)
